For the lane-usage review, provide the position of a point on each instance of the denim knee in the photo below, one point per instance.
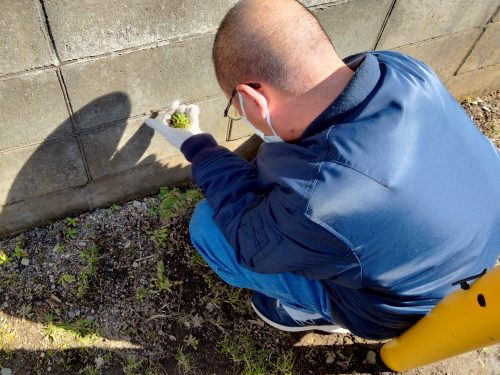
(211, 244)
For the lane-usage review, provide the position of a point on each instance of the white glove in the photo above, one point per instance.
(176, 137)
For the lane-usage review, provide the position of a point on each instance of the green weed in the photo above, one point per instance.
(71, 233)
(81, 327)
(114, 208)
(192, 342)
(58, 248)
(89, 370)
(256, 360)
(66, 279)
(4, 258)
(132, 366)
(232, 295)
(71, 230)
(19, 252)
(140, 294)
(197, 260)
(91, 257)
(184, 362)
(7, 336)
(173, 201)
(159, 237)
(161, 282)
(180, 120)
(72, 221)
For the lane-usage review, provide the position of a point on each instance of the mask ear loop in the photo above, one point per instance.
(268, 118)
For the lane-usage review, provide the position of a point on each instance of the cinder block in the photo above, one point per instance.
(353, 26)
(445, 54)
(25, 44)
(115, 88)
(412, 21)
(38, 170)
(487, 50)
(94, 27)
(475, 82)
(133, 144)
(24, 215)
(32, 108)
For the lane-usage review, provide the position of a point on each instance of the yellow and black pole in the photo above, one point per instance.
(465, 320)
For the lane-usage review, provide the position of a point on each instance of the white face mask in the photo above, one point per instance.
(265, 138)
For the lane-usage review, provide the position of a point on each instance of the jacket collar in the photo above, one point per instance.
(367, 74)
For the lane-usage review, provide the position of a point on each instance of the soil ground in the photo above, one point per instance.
(121, 290)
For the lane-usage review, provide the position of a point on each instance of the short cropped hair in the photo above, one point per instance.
(267, 41)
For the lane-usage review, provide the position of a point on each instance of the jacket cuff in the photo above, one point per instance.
(198, 145)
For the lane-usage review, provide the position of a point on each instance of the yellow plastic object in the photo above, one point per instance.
(464, 320)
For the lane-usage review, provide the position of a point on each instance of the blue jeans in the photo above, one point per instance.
(295, 291)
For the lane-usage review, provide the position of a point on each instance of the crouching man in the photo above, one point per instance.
(372, 192)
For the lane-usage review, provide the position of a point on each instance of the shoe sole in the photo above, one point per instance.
(333, 328)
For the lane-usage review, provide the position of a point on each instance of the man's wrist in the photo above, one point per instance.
(197, 144)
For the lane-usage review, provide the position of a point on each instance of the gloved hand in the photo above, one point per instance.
(176, 137)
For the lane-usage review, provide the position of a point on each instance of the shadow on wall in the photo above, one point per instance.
(55, 171)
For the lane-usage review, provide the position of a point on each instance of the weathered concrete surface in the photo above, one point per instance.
(445, 54)
(32, 108)
(475, 82)
(133, 183)
(150, 78)
(487, 50)
(24, 42)
(313, 3)
(353, 26)
(94, 27)
(133, 144)
(416, 20)
(497, 17)
(37, 170)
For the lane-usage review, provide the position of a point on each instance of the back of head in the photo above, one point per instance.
(278, 42)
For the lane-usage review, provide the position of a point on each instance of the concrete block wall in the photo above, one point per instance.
(78, 78)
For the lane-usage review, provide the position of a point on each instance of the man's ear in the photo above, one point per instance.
(255, 102)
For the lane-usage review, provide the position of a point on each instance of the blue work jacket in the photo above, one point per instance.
(390, 196)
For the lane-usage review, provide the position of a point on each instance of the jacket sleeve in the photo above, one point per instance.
(263, 223)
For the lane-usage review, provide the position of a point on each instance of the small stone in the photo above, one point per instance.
(210, 306)
(25, 262)
(371, 357)
(486, 108)
(71, 314)
(135, 265)
(172, 338)
(90, 318)
(479, 100)
(6, 371)
(136, 204)
(330, 358)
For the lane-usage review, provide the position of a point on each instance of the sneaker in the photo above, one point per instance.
(271, 311)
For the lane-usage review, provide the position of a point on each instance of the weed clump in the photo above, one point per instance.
(180, 120)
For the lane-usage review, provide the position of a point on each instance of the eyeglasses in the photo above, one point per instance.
(226, 111)
(255, 86)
